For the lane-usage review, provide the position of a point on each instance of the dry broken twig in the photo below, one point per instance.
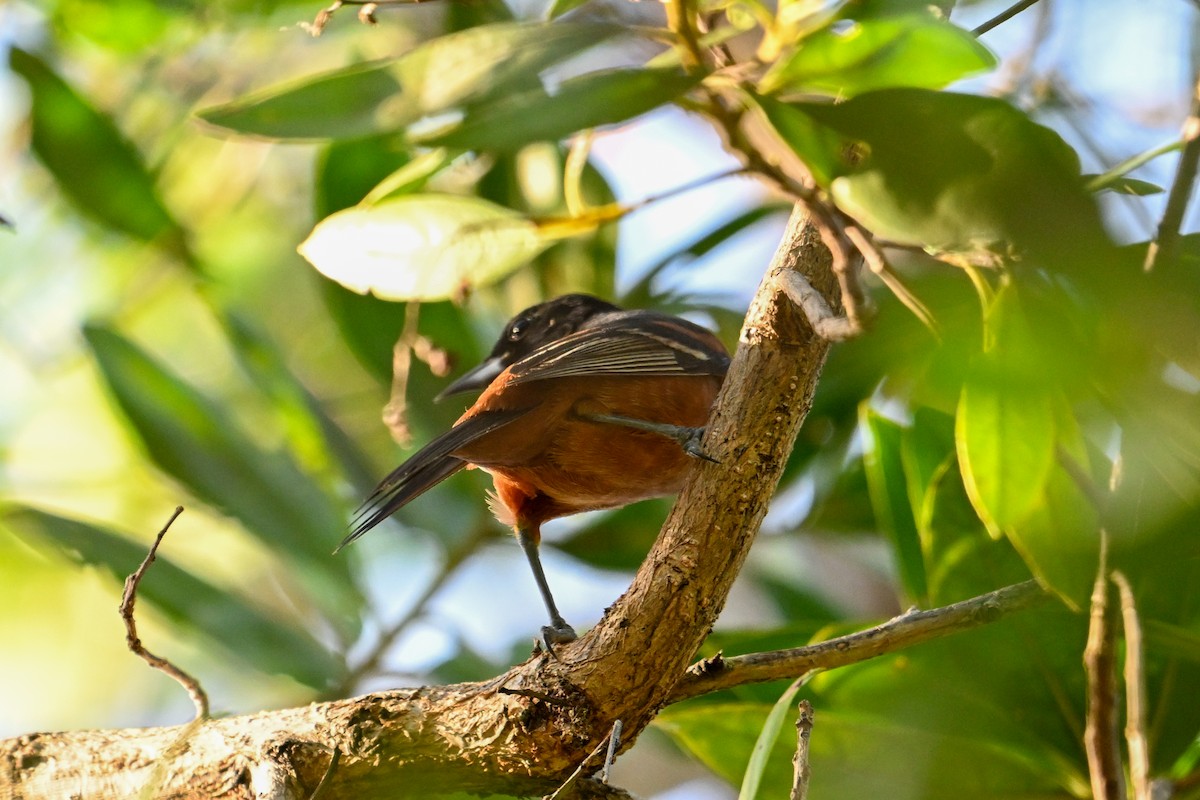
(128, 598)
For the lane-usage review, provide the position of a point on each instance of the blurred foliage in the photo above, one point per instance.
(434, 160)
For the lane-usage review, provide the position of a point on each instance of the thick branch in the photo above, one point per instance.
(906, 630)
(631, 661)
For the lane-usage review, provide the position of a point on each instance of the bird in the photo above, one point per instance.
(585, 406)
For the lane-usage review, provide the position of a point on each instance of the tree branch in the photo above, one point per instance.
(1166, 244)
(906, 630)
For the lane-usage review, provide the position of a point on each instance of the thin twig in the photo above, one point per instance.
(326, 779)
(1135, 692)
(906, 630)
(1099, 660)
(128, 599)
(614, 742)
(1003, 17)
(1166, 245)
(800, 767)
(578, 773)
(877, 262)
(366, 12)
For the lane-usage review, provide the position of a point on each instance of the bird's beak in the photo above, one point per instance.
(476, 378)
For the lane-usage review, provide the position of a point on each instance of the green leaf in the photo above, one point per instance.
(1122, 185)
(1060, 539)
(192, 438)
(819, 147)
(265, 643)
(1005, 427)
(422, 247)
(856, 56)
(889, 496)
(487, 61)
(94, 165)
(765, 742)
(599, 98)
(964, 174)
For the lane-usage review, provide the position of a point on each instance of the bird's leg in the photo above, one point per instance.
(688, 438)
(558, 631)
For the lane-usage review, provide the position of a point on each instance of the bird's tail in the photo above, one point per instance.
(428, 467)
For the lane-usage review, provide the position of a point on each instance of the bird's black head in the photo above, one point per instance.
(529, 330)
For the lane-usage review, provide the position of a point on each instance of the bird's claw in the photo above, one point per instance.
(557, 633)
(691, 444)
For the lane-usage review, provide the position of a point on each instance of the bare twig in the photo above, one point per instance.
(579, 770)
(1166, 245)
(614, 742)
(128, 598)
(800, 768)
(326, 782)
(1099, 659)
(1003, 17)
(906, 630)
(879, 265)
(366, 12)
(1135, 692)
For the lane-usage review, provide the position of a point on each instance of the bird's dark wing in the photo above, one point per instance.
(428, 467)
(629, 343)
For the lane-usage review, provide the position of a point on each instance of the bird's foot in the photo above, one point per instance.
(557, 632)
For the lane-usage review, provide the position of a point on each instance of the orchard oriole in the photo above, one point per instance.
(584, 406)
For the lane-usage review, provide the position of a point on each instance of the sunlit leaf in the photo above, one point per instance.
(588, 101)
(266, 643)
(422, 247)
(194, 440)
(1006, 420)
(91, 161)
(855, 56)
(440, 75)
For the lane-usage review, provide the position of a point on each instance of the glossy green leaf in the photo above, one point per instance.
(263, 642)
(1060, 539)
(855, 56)
(765, 743)
(422, 247)
(1005, 429)
(889, 497)
(964, 174)
(94, 165)
(440, 75)
(588, 101)
(194, 440)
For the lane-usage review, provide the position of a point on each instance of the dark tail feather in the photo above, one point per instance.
(390, 496)
(428, 467)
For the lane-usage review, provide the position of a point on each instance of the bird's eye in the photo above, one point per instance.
(518, 329)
